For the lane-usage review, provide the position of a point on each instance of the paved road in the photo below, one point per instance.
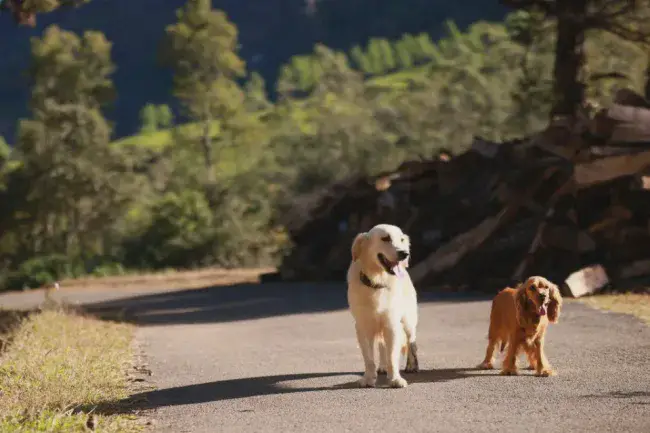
(283, 358)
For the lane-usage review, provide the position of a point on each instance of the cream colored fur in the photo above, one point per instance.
(385, 317)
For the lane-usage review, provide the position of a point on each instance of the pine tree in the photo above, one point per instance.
(404, 56)
(148, 119)
(387, 54)
(202, 50)
(75, 183)
(360, 59)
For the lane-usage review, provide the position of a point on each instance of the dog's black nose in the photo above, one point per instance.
(402, 255)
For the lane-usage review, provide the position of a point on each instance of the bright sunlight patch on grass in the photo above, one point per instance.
(57, 362)
(637, 304)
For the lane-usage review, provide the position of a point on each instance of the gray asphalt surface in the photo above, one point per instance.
(283, 358)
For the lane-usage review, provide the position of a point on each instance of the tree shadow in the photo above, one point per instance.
(263, 385)
(236, 302)
(621, 394)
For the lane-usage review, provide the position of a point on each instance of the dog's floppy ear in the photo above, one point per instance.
(521, 300)
(358, 244)
(408, 242)
(555, 306)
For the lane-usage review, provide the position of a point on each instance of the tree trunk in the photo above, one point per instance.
(206, 143)
(568, 89)
(646, 89)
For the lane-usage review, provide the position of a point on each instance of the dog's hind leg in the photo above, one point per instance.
(367, 345)
(510, 362)
(412, 363)
(489, 355)
(383, 358)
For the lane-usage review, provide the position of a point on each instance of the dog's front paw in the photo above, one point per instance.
(546, 373)
(398, 382)
(509, 372)
(367, 382)
(485, 365)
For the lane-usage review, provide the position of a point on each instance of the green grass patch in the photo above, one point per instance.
(637, 304)
(60, 362)
(160, 139)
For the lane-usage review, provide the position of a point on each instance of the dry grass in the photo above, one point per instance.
(58, 362)
(208, 276)
(637, 304)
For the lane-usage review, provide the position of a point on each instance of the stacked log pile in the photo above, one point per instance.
(551, 204)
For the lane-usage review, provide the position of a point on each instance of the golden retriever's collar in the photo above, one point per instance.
(367, 282)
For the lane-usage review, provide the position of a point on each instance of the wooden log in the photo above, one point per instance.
(635, 269)
(628, 97)
(568, 239)
(613, 150)
(643, 182)
(516, 236)
(451, 253)
(504, 194)
(488, 149)
(586, 281)
(605, 169)
(634, 123)
(562, 151)
(613, 216)
(537, 240)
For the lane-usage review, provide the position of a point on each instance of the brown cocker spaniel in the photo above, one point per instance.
(518, 319)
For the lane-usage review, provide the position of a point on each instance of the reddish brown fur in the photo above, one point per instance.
(515, 322)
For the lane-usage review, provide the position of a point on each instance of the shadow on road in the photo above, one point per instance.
(622, 394)
(238, 302)
(266, 385)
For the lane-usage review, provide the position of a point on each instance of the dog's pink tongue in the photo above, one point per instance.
(542, 311)
(398, 269)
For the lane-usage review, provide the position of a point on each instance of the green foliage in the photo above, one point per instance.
(41, 270)
(5, 150)
(201, 47)
(5, 153)
(404, 57)
(164, 116)
(256, 95)
(108, 269)
(50, 5)
(148, 119)
(155, 117)
(360, 59)
(42, 6)
(182, 223)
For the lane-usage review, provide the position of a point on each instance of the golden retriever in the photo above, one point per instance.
(519, 318)
(383, 302)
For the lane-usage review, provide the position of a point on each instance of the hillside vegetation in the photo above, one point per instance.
(271, 31)
(213, 191)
